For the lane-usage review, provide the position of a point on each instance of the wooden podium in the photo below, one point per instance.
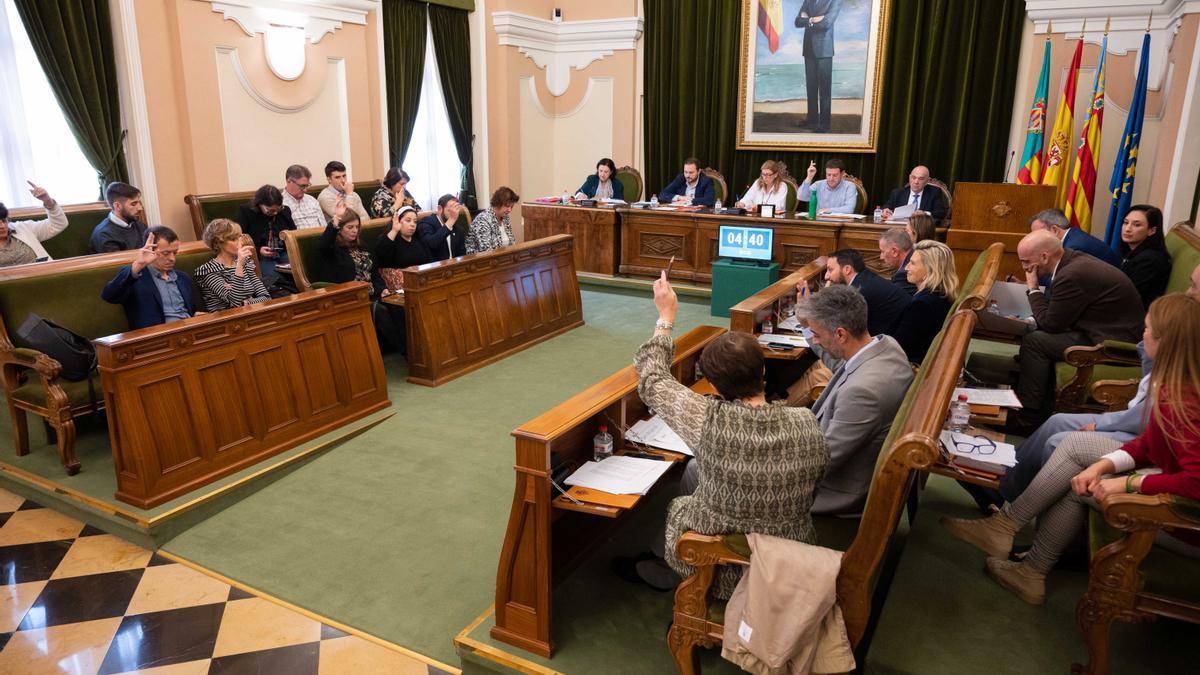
(989, 212)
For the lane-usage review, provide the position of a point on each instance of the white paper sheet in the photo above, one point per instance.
(1005, 398)
(791, 323)
(783, 339)
(979, 449)
(903, 212)
(655, 432)
(620, 475)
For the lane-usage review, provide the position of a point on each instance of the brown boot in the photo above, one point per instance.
(1028, 584)
(992, 535)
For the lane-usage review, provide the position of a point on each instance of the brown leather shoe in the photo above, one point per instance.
(992, 535)
(1027, 584)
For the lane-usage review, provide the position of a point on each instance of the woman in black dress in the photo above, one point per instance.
(1143, 250)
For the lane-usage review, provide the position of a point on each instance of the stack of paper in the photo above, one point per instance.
(1004, 398)
(841, 216)
(655, 432)
(978, 452)
(797, 341)
(620, 475)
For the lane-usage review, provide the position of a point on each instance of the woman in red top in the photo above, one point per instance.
(1075, 477)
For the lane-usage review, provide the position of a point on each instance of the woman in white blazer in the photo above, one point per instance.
(21, 242)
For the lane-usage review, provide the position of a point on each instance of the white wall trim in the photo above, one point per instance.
(558, 47)
(1177, 204)
(383, 99)
(583, 101)
(479, 102)
(318, 18)
(254, 93)
(136, 115)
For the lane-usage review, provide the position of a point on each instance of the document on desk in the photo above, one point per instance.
(791, 323)
(797, 341)
(620, 475)
(1005, 398)
(655, 433)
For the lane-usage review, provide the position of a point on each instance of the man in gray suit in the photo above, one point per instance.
(870, 378)
(816, 18)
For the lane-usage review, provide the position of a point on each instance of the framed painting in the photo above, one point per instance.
(811, 74)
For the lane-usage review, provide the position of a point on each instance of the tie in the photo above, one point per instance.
(833, 382)
(916, 199)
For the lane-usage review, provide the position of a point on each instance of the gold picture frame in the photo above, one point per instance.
(773, 104)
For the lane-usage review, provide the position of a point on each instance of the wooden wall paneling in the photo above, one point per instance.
(648, 240)
(468, 312)
(196, 400)
(597, 233)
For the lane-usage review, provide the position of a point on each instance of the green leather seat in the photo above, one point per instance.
(631, 180)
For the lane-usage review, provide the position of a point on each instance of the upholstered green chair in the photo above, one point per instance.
(720, 190)
(860, 204)
(631, 180)
(73, 241)
(793, 191)
(66, 292)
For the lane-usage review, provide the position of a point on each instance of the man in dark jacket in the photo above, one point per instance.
(442, 233)
(121, 229)
(151, 289)
(885, 300)
(817, 18)
(690, 187)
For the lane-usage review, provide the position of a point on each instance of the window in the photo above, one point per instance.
(432, 159)
(35, 142)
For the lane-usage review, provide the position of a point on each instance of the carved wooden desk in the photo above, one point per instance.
(193, 401)
(465, 313)
(544, 540)
(597, 233)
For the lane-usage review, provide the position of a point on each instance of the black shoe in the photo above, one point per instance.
(625, 567)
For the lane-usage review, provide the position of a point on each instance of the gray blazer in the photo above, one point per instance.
(855, 414)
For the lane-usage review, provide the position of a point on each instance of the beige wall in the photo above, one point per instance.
(1158, 153)
(540, 144)
(201, 113)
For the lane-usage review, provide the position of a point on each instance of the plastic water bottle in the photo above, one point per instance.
(654, 201)
(566, 197)
(878, 214)
(602, 444)
(994, 308)
(960, 415)
(768, 327)
(717, 205)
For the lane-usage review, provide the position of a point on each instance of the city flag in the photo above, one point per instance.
(1082, 190)
(1054, 169)
(1121, 183)
(1035, 135)
(770, 21)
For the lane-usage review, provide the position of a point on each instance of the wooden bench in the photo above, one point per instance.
(67, 292)
(204, 208)
(547, 537)
(911, 448)
(304, 252)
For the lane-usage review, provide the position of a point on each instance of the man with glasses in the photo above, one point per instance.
(928, 200)
(306, 212)
(151, 290)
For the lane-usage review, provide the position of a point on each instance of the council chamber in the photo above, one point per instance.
(650, 336)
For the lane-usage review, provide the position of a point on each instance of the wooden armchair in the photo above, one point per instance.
(721, 190)
(631, 179)
(1081, 366)
(1119, 571)
(945, 193)
(860, 204)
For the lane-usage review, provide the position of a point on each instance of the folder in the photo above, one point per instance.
(603, 498)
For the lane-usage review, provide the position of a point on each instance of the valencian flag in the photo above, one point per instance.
(1035, 135)
(1126, 164)
(770, 21)
(1054, 169)
(1082, 189)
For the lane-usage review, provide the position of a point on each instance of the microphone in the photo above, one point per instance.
(1009, 166)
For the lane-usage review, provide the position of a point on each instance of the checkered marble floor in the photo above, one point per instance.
(77, 600)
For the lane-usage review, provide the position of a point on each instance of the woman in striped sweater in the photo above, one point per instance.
(229, 279)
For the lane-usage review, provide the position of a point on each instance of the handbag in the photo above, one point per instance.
(73, 352)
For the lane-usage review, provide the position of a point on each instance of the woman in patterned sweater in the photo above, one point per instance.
(229, 279)
(490, 229)
(758, 464)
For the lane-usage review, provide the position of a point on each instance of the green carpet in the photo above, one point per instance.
(398, 532)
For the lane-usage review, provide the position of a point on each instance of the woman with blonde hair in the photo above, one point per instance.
(931, 270)
(1081, 470)
(768, 189)
(229, 279)
(920, 228)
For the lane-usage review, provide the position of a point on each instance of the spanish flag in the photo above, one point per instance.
(1035, 133)
(770, 21)
(1083, 179)
(1057, 155)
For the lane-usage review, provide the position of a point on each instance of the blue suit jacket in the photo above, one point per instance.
(818, 37)
(705, 194)
(593, 182)
(885, 301)
(1082, 241)
(140, 297)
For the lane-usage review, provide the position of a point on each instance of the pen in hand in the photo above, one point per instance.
(669, 265)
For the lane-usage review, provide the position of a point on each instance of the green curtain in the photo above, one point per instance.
(949, 77)
(468, 5)
(73, 41)
(452, 45)
(403, 63)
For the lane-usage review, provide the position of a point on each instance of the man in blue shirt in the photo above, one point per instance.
(690, 187)
(150, 289)
(834, 194)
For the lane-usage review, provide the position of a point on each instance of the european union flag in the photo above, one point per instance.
(1121, 184)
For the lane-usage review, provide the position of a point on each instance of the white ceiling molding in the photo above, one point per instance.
(288, 25)
(559, 46)
(1129, 23)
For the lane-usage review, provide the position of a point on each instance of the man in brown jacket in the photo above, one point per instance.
(1090, 302)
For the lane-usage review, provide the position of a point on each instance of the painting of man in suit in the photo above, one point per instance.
(812, 73)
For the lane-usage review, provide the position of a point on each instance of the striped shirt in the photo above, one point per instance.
(222, 289)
